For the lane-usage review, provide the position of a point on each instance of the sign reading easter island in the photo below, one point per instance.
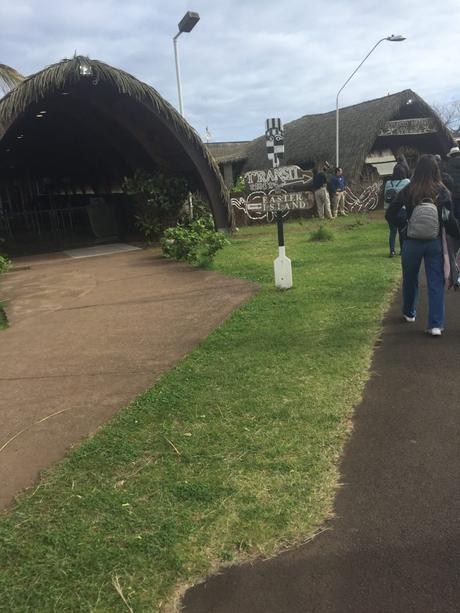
(279, 200)
(283, 176)
(283, 188)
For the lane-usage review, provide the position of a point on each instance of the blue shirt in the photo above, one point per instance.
(338, 183)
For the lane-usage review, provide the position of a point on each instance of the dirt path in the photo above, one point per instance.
(85, 337)
(394, 546)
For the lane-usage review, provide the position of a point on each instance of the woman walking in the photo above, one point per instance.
(425, 198)
(392, 187)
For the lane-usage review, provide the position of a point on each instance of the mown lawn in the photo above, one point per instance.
(232, 453)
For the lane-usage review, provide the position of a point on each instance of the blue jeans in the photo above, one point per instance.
(393, 232)
(430, 251)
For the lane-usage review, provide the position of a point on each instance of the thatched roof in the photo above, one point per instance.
(9, 78)
(87, 78)
(312, 137)
(233, 151)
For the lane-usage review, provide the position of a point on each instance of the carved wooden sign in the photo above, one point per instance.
(276, 189)
(283, 176)
(279, 200)
(402, 127)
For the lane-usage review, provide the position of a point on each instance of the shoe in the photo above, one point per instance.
(434, 331)
(392, 254)
(409, 320)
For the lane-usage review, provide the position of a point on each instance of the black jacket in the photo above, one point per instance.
(452, 167)
(400, 171)
(319, 180)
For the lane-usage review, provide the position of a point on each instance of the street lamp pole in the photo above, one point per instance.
(186, 24)
(394, 38)
(179, 84)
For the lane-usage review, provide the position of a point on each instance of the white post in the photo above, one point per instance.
(179, 85)
(337, 132)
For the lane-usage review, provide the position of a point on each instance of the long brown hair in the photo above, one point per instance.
(425, 181)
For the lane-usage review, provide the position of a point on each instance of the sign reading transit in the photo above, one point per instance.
(284, 176)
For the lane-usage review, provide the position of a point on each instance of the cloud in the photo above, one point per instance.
(247, 59)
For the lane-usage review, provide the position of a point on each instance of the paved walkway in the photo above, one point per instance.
(394, 546)
(88, 335)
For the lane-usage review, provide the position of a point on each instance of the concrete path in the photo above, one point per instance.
(85, 337)
(394, 546)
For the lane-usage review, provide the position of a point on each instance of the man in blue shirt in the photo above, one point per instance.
(338, 185)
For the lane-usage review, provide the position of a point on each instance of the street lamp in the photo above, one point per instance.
(186, 24)
(394, 38)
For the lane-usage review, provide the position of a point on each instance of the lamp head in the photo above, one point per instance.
(396, 38)
(188, 21)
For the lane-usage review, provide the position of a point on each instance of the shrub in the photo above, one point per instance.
(196, 243)
(4, 263)
(200, 209)
(322, 234)
(158, 199)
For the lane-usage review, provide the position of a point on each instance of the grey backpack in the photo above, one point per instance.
(424, 221)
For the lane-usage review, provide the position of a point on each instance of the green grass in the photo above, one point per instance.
(232, 453)
(323, 233)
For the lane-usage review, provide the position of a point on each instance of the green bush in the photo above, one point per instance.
(158, 199)
(200, 209)
(4, 263)
(196, 243)
(322, 234)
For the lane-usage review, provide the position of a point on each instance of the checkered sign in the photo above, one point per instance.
(274, 137)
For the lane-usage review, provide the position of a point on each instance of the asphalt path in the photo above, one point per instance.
(394, 545)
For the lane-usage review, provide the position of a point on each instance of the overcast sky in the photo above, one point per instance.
(247, 59)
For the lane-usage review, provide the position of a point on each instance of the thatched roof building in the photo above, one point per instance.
(70, 134)
(372, 133)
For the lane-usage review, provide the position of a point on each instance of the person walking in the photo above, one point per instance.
(426, 200)
(338, 185)
(452, 168)
(392, 187)
(445, 177)
(323, 203)
(401, 169)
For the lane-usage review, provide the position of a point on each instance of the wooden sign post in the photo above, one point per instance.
(274, 137)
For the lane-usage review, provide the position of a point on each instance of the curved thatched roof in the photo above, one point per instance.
(85, 77)
(9, 78)
(312, 137)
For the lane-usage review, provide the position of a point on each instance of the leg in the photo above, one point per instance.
(434, 268)
(327, 205)
(401, 240)
(392, 237)
(335, 204)
(319, 204)
(411, 259)
(342, 203)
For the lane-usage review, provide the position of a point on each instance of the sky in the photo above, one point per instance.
(247, 60)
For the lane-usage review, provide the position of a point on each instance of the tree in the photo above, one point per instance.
(9, 78)
(449, 113)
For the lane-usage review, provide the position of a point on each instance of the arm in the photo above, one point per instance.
(447, 212)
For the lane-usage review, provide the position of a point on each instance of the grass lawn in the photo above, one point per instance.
(231, 454)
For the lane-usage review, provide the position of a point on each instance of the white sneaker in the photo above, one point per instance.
(434, 331)
(409, 319)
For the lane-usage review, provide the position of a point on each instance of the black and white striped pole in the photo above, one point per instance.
(274, 137)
